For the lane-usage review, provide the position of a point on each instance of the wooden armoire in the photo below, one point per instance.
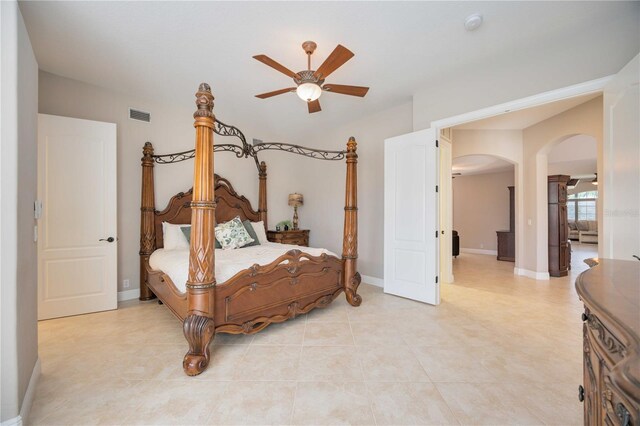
(507, 239)
(559, 248)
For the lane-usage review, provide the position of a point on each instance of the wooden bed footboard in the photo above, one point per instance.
(291, 285)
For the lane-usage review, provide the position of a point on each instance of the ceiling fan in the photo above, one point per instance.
(310, 82)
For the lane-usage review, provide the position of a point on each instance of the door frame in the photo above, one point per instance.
(580, 89)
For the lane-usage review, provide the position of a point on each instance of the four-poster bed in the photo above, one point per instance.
(292, 284)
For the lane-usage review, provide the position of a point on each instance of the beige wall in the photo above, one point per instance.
(170, 130)
(19, 88)
(323, 185)
(538, 141)
(480, 208)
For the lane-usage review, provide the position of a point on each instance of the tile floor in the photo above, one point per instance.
(499, 350)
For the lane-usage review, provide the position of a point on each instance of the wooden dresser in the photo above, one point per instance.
(299, 237)
(611, 332)
(558, 226)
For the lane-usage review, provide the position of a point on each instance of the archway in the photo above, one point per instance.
(576, 156)
(481, 200)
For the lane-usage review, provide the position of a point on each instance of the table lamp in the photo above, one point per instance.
(295, 200)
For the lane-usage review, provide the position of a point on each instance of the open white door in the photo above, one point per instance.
(77, 248)
(620, 168)
(446, 208)
(410, 216)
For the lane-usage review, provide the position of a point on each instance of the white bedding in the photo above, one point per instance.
(175, 263)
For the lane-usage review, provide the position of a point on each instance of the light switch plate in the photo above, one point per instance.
(37, 209)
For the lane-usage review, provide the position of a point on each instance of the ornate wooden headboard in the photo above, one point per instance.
(228, 205)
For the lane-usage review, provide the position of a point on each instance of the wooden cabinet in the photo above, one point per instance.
(558, 226)
(610, 390)
(507, 239)
(299, 237)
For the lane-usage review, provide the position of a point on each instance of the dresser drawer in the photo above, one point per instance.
(298, 237)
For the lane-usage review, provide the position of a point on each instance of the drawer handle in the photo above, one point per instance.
(584, 317)
(580, 393)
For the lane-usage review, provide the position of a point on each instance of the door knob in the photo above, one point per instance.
(580, 393)
(109, 240)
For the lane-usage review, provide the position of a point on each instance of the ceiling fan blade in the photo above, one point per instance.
(314, 106)
(276, 66)
(275, 93)
(346, 90)
(336, 59)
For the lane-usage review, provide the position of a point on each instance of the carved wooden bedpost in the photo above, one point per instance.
(147, 226)
(350, 238)
(198, 326)
(262, 194)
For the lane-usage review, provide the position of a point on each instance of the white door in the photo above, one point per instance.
(410, 216)
(621, 165)
(77, 260)
(445, 193)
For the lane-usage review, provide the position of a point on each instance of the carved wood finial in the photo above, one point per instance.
(263, 168)
(204, 101)
(147, 150)
(352, 144)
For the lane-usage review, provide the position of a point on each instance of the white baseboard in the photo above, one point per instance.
(479, 251)
(378, 282)
(128, 294)
(542, 276)
(16, 421)
(27, 401)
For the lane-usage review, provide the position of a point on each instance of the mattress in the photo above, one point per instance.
(175, 263)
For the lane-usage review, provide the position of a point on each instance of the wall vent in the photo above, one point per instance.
(136, 114)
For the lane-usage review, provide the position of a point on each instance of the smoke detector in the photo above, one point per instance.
(473, 22)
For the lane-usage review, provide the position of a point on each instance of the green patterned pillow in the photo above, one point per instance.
(232, 234)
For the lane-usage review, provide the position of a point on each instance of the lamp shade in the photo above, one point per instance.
(295, 200)
(309, 91)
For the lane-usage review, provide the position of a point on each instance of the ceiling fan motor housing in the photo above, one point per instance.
(307, 76)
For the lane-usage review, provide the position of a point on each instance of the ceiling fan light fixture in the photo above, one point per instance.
(309, 92)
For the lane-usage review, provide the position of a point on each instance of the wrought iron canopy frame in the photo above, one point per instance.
(246, 150)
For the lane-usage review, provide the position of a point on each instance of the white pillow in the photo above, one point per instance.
(258, 228)
(173, 237)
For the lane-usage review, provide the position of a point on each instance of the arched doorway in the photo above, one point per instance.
(576, 156)
(485, 190)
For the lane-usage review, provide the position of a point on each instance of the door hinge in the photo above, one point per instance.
(436, 233)
(436, 188)
(436, 279)
(436, 143)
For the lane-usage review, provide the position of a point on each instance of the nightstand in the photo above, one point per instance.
(299, 237)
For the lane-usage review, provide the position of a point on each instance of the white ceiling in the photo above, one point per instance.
(518, 120)
(163, 50)
(479, 164)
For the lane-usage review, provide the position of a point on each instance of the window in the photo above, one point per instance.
(582, 206)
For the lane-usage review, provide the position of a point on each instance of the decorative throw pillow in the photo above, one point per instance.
(583, 225)
(258, 228)
(232, 234)
(186, 230)
(252, 233)
(173, 237)
(572, 226)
